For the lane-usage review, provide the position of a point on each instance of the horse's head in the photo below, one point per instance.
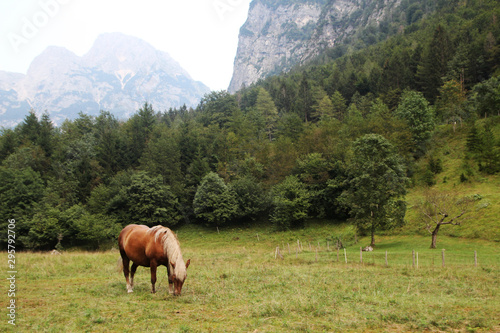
(178, 277)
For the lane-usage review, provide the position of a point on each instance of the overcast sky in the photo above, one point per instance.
(202, 35)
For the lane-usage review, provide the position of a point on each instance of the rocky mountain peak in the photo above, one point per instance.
(280, 34)
(118, 74)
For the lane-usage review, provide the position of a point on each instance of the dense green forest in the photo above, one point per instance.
(344, 137)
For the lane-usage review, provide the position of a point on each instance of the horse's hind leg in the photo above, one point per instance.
(126, 271)
(132, 273)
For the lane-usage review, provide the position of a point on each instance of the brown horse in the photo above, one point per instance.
(152, 247)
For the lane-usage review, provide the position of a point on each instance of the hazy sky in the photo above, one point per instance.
(202, 35)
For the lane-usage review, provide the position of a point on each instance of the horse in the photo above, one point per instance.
(152, 247)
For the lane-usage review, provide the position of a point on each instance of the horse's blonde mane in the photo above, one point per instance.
(171, 248)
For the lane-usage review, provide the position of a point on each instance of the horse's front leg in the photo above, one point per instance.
(153, 266)
(170, 280)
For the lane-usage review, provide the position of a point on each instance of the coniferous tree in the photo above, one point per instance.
(30, 128)
(46, 135)
(434, 63)
(305, 98)
(138, 129)
(265, 106)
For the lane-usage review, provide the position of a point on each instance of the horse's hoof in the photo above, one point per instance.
(130, 291)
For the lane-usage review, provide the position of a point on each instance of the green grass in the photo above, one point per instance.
(235, 285)
(483, 221)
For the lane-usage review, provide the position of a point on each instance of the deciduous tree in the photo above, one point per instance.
(376, 185)
(290, 204)
(215, 202)
(440, 209)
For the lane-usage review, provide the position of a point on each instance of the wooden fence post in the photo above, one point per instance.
(278, 254)
(442, 256)
(475, 258)
(386, 263)
(338, 259)
(417, 260)
(361, 254)
(345, 255)
(413, 257)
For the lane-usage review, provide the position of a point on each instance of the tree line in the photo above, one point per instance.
(339, 139)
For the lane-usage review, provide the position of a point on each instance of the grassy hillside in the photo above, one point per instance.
(483, 221)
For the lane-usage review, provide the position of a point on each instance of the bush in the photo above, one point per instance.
(291, 204)
(250, 197)
(215, 202)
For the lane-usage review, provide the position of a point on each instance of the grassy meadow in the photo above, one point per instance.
(235, 284)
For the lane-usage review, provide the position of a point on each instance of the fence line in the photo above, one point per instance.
(386, 258)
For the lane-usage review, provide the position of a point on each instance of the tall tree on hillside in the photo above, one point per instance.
(109, 145)
(419, 116)
(30, 128)
(162, 157)
(265, 106)
(434, 63)
(46, 135)
(323, 110)
(305, 97)
(450, 103)
(376, 185)
(139, 128)
(339, 105)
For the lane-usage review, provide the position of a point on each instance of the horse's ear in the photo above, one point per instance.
(187, 263)
(173, 264)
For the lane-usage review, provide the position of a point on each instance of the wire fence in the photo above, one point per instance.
(410, 258)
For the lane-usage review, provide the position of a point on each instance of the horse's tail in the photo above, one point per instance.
(119, 265)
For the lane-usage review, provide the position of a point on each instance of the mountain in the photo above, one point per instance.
(118, 74)
(280, 34)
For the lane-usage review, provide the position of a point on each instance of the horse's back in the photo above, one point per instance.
(138, 244)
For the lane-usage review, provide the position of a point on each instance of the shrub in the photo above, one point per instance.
(291, 204)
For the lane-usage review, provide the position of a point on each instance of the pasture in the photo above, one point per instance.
(235, 284)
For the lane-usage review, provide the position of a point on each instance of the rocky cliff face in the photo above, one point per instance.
(279, 34)
(118, 74)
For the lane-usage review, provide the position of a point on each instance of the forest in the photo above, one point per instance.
(342, 138)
